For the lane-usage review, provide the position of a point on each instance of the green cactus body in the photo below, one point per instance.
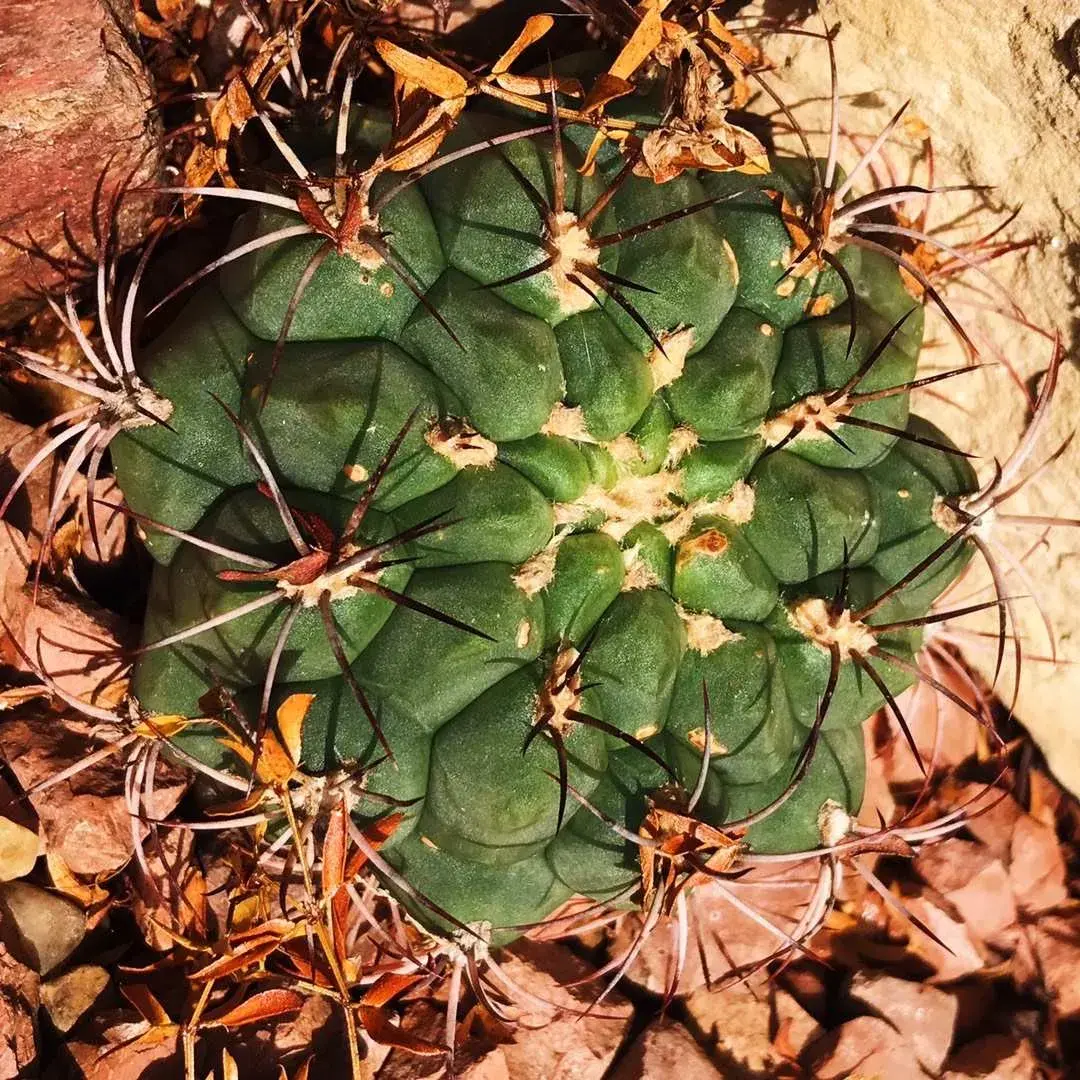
(582, 477)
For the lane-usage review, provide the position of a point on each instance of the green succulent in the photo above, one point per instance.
(562, 494)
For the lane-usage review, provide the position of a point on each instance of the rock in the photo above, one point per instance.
(924, 1015)
(40, 927)
(996, 1057)
(85, 819)
(18, 850)
(663, 1051)
(1057, 945)
(544, 1043)
(737, 1023)
(962, 957)
(68, 996)
(1037, 869)
(73, 103)
(19, 996)
(1018, 131)
(973, 881)
(722, 938)
(796, 1029)
(74, 640)
(864, 1047)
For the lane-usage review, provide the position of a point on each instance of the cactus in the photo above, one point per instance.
(570, 503)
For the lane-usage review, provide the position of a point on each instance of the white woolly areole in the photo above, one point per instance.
(682, 441)
(638, 573)
(572, 252)
(737, 506)
(833, 823)
(811, 417)
(535, 574)
(666, 366)
(560, 695)
(945, 517)
(696, 738)
(338, 587)
(461, 445)
(632, 500)
(813, 619)
(567, 421)
(705, 633)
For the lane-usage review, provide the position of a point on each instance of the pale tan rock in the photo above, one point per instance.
(973, 881)
(962, 956)
(721, 937)
(19, 996)
(40, 927)
(796, 1029)
(737, 1022)
(1037, 868)
(664, 1051)
(1057, 945)
(1018, 130)
(864, 1047)
(924, 1015)
(68, 996)
(996, 1057)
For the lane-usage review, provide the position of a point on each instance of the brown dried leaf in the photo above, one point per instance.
(536, 26)
(379, 1025)
(421, 71)
(264, 1005)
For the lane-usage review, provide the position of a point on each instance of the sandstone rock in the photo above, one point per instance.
(41, 928)
(73, 103)
(796, 1029)
(924, 1015)
(976, 883)
(737, 1022)
(68, 996)
(664, 1051)
(19, 996)
(865, 1046)
(995, 1057)
(1057, 945)
(1037, 868)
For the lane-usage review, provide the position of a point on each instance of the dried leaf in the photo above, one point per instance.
(290, 722)
(536, 26)
(261, 1006)
(429, 75)
(378, 1023)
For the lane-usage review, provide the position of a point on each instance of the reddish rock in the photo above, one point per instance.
(865, 1047)
(1037, 866)
(664, 1051)
(738, 1022)
(996, 1057)
(84, 819)
(796, 1029)
(1057, 945)
(722, 937)
(19, 997)
(924, 1015)
(73, 102)
(962, 955)
(976, 883)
